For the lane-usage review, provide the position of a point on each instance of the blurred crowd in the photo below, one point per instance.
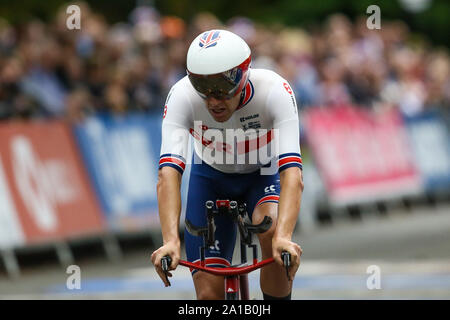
(47, 70)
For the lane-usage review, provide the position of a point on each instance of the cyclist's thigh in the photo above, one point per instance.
(264, 189)
(262, 201)
(201, 189)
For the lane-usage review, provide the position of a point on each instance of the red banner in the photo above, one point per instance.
(45, 186)
(362, 156)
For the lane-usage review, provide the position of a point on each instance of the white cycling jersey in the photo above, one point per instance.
(264, 127)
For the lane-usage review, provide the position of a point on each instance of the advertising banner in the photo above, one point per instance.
(11, 233)
(44, 190)
(122, 154)
(361, 156)
(430, 142)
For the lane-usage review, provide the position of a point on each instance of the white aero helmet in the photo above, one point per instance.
(218, 64)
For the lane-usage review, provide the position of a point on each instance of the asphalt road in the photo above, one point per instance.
(410, 249)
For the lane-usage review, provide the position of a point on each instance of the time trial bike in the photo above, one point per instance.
(236, 276)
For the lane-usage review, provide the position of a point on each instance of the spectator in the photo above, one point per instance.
(47, 70)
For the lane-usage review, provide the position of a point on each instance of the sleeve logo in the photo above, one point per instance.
(287, 87)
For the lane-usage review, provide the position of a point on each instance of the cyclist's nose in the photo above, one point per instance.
(211, 101)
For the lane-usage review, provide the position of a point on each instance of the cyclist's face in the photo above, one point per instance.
(221, 110)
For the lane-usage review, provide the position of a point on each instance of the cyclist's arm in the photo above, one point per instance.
(169, 204)
(282, 107)
(291, 183)
(174, 145)
(172, 161)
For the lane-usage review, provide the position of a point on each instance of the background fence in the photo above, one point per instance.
(59, 181)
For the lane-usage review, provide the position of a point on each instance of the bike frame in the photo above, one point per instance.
(236, 277)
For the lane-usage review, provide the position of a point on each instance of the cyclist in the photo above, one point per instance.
(222, 93)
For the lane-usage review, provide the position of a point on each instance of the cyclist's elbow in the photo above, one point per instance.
(159, 185)
(167, 177)
(292, 178)
(298, 185)
(300, 181)
(162, 180)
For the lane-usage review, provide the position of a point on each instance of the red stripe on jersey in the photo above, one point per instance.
(248, 94)
(267, 198)
(172, 160)
(250, 145)
(289, 159)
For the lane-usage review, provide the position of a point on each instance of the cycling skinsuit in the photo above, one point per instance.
(223, 165)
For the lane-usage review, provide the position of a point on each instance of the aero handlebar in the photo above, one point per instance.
(166, 261)
(238, 214)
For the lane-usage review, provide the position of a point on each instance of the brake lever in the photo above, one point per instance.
(166, 261)
(286, 256)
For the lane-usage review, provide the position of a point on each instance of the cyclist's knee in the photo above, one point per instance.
(265, 240)
(209, 287)
(266, 209)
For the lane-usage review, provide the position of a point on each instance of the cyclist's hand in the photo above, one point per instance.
(170, 249)
(282, 244)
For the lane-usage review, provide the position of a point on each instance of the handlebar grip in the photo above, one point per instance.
(286, 256)
(166, 261)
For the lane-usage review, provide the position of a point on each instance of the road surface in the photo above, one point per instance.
(410, 249)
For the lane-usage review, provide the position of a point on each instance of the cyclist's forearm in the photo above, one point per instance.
(169, 204)
(289, 203)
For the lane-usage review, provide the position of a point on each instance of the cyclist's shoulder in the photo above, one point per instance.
(265, 81)
(274, 92)
(264, 77)
(181, 85)
(181, 93)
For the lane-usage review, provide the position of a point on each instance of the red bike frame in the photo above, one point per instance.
(236, 277)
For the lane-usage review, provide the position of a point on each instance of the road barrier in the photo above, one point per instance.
(366, 157)
(59, 182)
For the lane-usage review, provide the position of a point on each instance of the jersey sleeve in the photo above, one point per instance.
(175, 130)
(282, 107)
